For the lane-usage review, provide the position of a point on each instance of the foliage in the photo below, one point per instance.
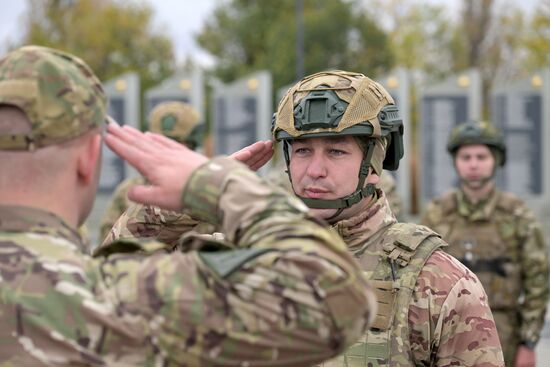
(420, 33)
(538, 40)
(248, 35)
(113, 37)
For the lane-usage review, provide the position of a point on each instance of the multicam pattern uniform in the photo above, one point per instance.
(500, 240)
(441, 311)
(117, 205)
(288, 295)
(431, 309)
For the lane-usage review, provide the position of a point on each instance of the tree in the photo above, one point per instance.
(248, 35)
(537, 42)
(113, 37)
(419, 33)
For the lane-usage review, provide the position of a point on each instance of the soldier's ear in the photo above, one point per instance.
(89, 159)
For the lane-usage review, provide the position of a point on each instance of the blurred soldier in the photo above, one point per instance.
(339, 130)
(388, 185)
(286, 293)
(176, 120)
(495, 235)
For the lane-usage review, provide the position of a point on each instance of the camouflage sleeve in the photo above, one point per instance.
(291, 295)
(118, 203)
(450, 318)
(534, 275)
(431, 215)
(150, 222)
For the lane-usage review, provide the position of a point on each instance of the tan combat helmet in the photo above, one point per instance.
(336, 103)
(478, 132)
(178, 121)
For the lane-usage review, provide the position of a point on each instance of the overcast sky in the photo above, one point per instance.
(179, 18)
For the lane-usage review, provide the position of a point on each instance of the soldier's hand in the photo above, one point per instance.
(166, 164)
(255, 155)
(525, 357)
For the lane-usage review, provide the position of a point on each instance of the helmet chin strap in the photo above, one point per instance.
(483, 182)
(345, 202)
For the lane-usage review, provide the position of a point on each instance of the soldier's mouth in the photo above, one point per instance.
(315, 193)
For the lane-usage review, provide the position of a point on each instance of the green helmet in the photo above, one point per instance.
(336, 103)
(478, 132)
(178, 121)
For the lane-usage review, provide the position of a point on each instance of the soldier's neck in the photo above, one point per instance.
(475, 194)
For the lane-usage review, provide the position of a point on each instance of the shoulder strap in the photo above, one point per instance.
(507, 201)
(402, 240)
(448, 202)
(224, 263)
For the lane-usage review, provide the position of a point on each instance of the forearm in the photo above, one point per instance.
(535, 269)
(291, 296)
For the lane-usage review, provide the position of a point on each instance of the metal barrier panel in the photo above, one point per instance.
(124, 106)
(443, 106)
(521, 110)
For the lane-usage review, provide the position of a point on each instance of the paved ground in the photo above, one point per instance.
(543, 348)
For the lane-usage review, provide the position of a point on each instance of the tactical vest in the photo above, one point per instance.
(490, 247)
(392, 267)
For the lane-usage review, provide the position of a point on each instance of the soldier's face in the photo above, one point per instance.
(325, 168)
(474, 164)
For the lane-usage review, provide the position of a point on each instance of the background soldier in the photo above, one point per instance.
(176, 120)
(287, 293)
(497, 237)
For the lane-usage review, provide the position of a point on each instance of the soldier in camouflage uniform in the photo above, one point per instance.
(339, 130)
(176, 120)
(494, 234)
(282, 292)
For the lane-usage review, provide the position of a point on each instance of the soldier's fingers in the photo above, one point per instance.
(248, 151)
(261, 160)
(136, 157)
(261, 156)
(155, 195)
(134, 137)
(164, 141)
(122, 134)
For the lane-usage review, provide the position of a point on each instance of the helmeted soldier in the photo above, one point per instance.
(177, 120)
(282, 292)
(339, 130)
(494, 234)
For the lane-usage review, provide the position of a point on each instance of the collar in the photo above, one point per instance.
(371, 220)
(482, 210)
(26, 219)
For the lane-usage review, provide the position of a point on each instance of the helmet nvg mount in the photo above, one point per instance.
(478, 132)
(339, 103)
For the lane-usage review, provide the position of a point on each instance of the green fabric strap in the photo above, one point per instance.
(224, 263)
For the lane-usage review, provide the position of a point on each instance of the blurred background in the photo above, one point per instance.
(444, 61)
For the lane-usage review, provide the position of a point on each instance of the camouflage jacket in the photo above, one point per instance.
(447, 319)
(501, 241)
(118, 203)
(288, 294)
